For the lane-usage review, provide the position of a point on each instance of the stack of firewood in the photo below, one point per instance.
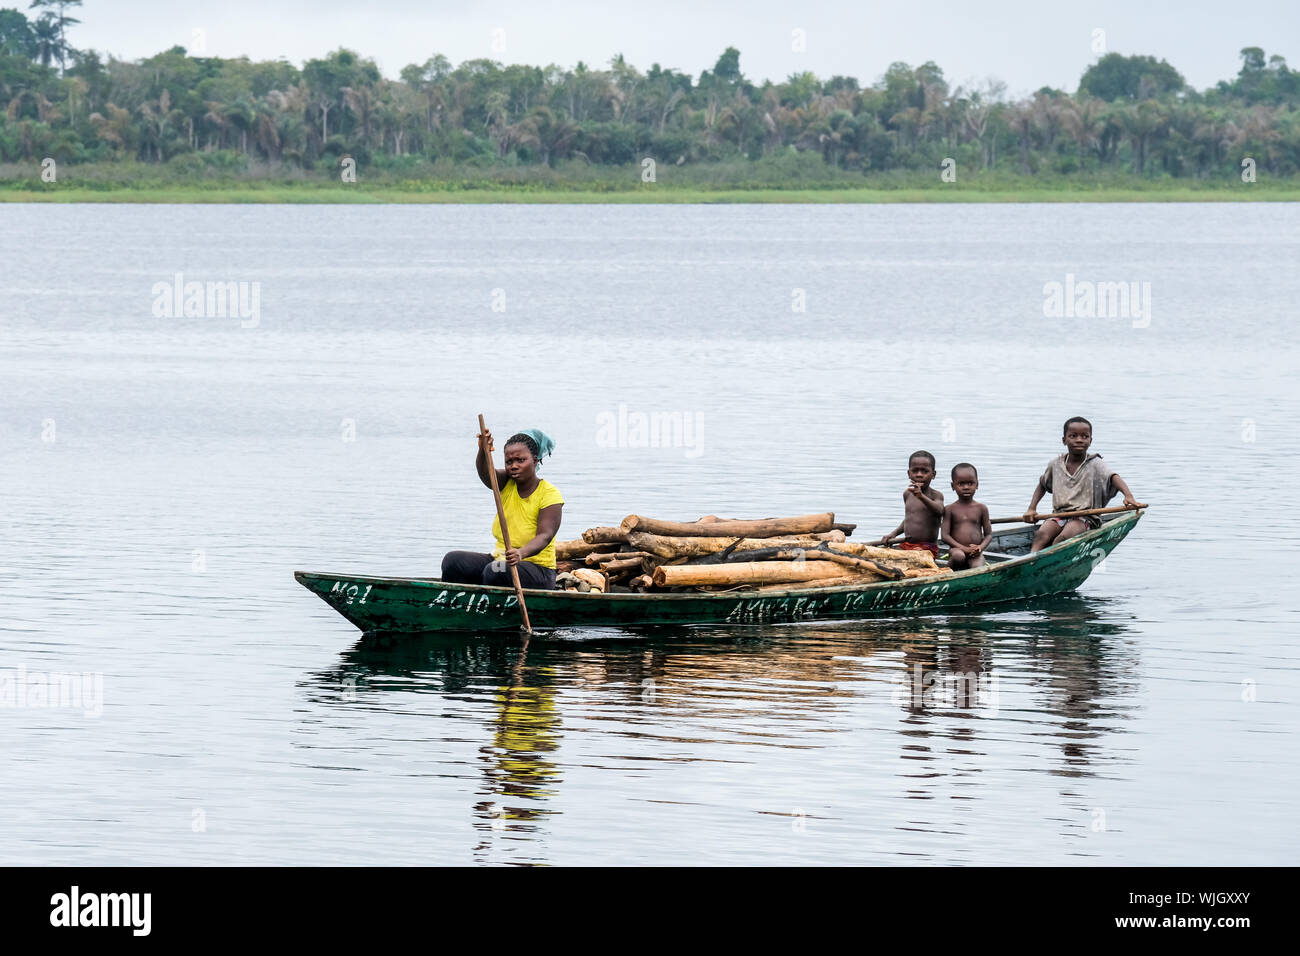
(645, 554)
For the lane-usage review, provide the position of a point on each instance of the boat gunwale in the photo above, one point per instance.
(925, 580)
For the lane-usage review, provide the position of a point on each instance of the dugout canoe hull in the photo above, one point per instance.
(421, 605)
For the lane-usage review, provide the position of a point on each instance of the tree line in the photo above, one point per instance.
(1130, 113)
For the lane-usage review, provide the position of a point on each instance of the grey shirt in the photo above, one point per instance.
(1089, 487)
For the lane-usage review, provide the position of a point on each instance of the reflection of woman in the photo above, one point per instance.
(532, 508)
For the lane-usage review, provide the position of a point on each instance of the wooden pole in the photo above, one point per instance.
(604, 536)
(761, 528)
(501, 517)
(751, 572)
(577, 549)
(894, 556)
(1068, 514)
(675, 546)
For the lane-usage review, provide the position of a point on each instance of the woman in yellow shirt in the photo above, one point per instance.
(532, 508)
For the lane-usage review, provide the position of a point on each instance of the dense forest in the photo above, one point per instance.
(194, 113)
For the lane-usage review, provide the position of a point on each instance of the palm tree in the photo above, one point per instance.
(76, 89)
(554, 132)
(739, 120)
(932, 93)
(290, 120)
(669, 105)
(978, 107)
(516, 135)
(1142, 122)
(239, 115)
(1049, 118)
(1021, 119)
(398, 110)
(360, 102)
(266, 132)
(157, 121)
(49, 46)
(62, 21)
(1211, 135)
(115, 129)
(906, 122)
(624, 91)
(216, 119)
(584, 89)
(1083, 121)
(500, 131)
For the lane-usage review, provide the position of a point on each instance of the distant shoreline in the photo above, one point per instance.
(305, 193)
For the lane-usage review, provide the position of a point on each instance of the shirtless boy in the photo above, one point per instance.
(1078, 482)
(966, 526)
(922, 508)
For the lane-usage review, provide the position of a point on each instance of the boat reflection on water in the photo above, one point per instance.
(1058, 674)
(517, 775)
(522, 725)
(969, 694)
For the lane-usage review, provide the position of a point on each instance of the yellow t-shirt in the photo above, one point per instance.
(521, 518)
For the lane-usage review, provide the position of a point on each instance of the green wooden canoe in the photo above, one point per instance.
(420, 605)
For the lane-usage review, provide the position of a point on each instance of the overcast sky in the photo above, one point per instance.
(1027, 43)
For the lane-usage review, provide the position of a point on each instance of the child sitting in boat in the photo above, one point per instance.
(1078, 482)
(966, 527)
(922, 507)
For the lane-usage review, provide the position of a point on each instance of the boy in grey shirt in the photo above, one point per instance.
(1078, 482)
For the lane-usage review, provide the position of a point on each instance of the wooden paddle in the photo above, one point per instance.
(501, 517)
(1067, 514)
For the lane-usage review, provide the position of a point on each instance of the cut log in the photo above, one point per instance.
(674, 546)
(653, 561)
(641, 581)
(851, 579)
(612, 568)
(925, 572)
(856, 563)
(895, 556)
(753, 572)
(604, 536)
(757, 528)
(846, 528)
(817, 554)
(604, 557)
(578, 549)
(593, 579)
(822, 583)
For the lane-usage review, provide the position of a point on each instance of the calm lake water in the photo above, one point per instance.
(163, 477)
